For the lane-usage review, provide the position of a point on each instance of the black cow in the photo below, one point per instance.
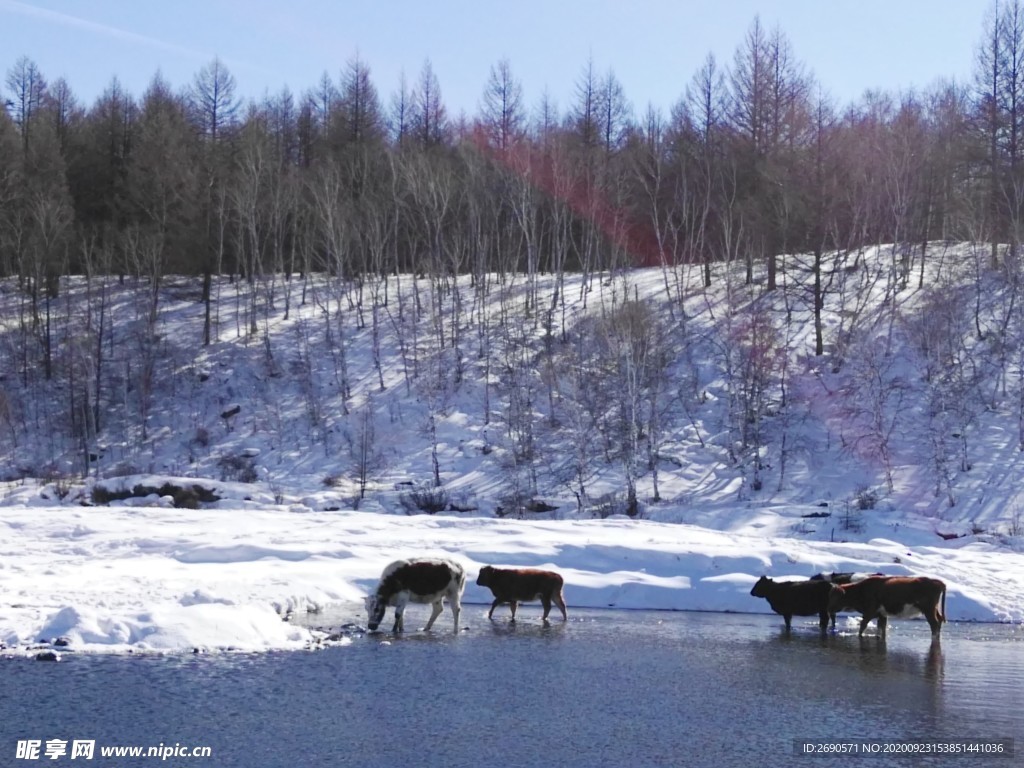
(797, 598)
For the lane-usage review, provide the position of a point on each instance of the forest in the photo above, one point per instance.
(395, 220)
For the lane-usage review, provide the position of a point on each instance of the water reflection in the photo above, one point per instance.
(528, 629)
(877, 658)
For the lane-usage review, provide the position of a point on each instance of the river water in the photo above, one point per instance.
(608, 688)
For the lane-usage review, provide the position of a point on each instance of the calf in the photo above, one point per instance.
(797, 598)
(882, 597)
(522, 585)
(427, 580)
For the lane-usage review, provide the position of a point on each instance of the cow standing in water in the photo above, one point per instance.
(805, 598)
(522, 585)
(897, 596)
(797, 598)
(425, 580)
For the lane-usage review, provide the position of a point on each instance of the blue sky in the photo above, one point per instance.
(653, 46)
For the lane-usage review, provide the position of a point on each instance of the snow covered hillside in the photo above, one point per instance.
(661, 442)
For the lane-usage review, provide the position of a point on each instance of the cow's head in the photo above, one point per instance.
(761, 587)
(375, 608)
(484, 579)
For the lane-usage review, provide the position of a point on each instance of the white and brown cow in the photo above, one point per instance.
(880, 597)
(423, 580)
(523, 585)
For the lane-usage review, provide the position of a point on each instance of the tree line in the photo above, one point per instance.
(753, 161)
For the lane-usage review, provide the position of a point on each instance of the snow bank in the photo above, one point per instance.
(128, 578)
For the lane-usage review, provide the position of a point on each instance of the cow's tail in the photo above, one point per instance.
(942, 616)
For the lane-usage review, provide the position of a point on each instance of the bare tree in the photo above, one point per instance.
(377, 223)
(952, 381)
(502, 112)
(28, 88)
(585, 117)
(988, 82)
(213, 102)
(822, 200)
(696, 142)
(361, 115)
(1011, 104)
(614, 114)
(99, 177)
(366, 456)
(315, 121)
(635, 344)
(334, 231)
(428, 116)
(11, 188)
(756, 363)
(580, 403)
(875, 391)
(64, 113)
(163, 177)
(400, 117)
(518, 395)
(768, 114)
(253, 181)
(545, 121)
(212, 106)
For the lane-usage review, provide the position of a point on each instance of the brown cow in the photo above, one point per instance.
(521, 585)
(880, 597)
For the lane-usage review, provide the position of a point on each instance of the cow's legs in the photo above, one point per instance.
(788, 617)
(514, 604)
(864, 621)
(823, 621)
(435, 611)
(546, 602)
(494, 605)
(400, 613)
(883, 624)
(456, 606)
(560, 602)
